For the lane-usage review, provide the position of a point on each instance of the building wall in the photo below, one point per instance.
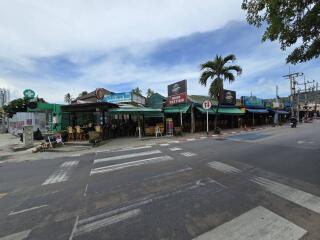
(4, 96)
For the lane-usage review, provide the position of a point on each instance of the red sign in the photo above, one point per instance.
(179, 98)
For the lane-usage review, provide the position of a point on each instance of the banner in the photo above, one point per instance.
(177, 92)
(252, 102)
(228, 97)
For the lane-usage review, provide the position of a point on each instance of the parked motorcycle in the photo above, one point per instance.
(293, 122)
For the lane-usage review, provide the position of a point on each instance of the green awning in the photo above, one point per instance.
(225, 111)
(147, 112)
(177, 109)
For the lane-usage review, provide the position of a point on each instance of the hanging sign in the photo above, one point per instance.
(177, 92)
(28, 93)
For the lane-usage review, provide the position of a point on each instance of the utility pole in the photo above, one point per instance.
(293, 82)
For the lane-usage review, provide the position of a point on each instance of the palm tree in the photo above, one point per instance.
(218, 71)
(150, 92)
(137, 91)
(67, 98)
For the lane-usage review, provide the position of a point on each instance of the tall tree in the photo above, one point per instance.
(137, 91)
(149, 92)
(83, 93)
(17, 105)
(67, 98)
(218, 71)
(295, 23)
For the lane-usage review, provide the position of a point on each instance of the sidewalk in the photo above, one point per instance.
(8, 143)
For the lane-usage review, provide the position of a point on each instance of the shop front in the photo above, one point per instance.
(80, 119)
(256, 113)
(136, 121)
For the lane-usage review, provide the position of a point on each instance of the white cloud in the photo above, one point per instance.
(42, 28)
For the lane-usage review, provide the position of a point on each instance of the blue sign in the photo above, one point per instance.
(118, 97)
(252, 102)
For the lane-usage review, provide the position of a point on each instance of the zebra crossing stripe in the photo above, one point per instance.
(17, 236)
(120, 166)
(175, 149)
(258, 223)
(62, 174)
(222, 167)
(131, 155)
(291, 194)
(188, 154)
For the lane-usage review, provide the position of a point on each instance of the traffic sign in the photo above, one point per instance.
(28, 93)
(206, 104)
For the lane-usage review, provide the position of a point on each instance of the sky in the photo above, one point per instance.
(59, 47)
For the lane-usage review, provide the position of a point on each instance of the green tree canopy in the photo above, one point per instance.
(218, 71)
(17, 105)
(137, 91)
(149, 92)
(295, 23)
(67, 98)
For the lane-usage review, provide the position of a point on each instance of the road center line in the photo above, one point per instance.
(27, 210)
(132, 155)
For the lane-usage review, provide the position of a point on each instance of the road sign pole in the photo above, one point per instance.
(207, 122)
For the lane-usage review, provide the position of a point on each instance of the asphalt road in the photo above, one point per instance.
(259, 185)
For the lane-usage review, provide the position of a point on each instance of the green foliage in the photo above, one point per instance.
(83, 93)
(295, 23)
(17, 105)
(67, 98)
(149, 92)
(137, 91)
(218, 71)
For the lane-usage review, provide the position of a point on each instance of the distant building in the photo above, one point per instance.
(4, 96)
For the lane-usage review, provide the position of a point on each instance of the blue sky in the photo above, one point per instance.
(81, 45)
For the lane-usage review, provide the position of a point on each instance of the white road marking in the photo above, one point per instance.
(291, 194)
(203, 137)
(170, 173)
(17, 236)
(74, 228)
(188, 154)
(124, 149)
(191, 139)
(115, 167)
(2, 195)
(222, 167)
(258, 223)
(132, 155)
(174, 141)
(61, 175)
(85, 191)
(164, 144)
(27, 210)
(233, 132)
(214, 135)
(92, 226)
(175, 149)
(76, 155)
(148, 199)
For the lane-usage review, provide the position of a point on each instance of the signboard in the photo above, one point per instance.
(176, 99)
(252, 102)
(177, 92)
(99, 93)
(138, 99)
(206, 104)
(177, 88)
(118, 97)
(228, 97)
(28, 93)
